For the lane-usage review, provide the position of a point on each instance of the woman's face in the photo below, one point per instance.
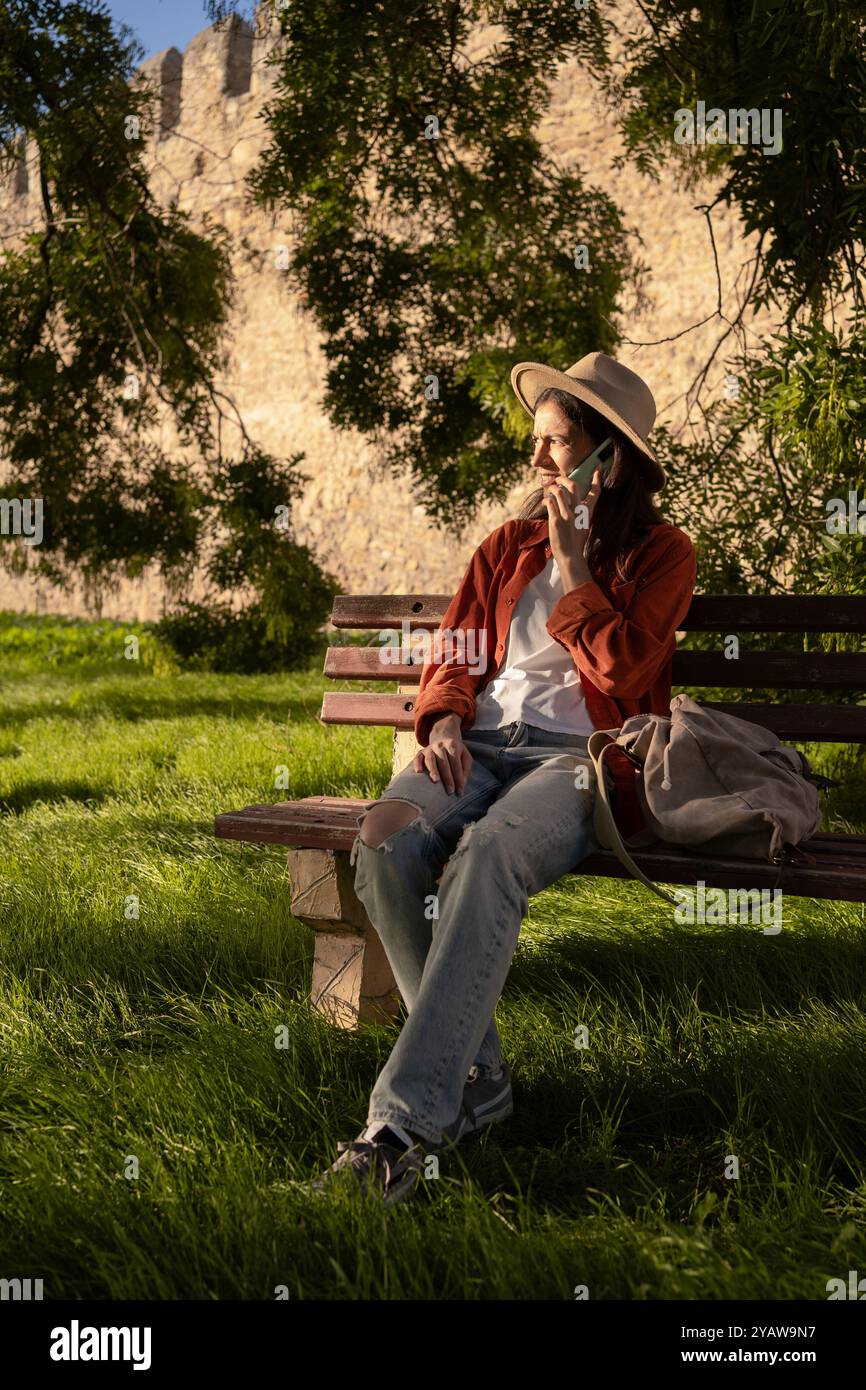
(558, 444)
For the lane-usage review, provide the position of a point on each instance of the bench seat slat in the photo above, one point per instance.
(839, 870)
(323, 809)
(845, 882)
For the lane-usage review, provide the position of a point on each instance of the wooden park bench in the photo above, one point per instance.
(352, 980)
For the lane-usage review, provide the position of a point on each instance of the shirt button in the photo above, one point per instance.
(509, 600)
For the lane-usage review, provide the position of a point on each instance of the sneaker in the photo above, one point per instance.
(384, 1170)
(487, 1097)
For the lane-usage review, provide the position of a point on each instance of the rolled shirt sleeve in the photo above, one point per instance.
(624, 652)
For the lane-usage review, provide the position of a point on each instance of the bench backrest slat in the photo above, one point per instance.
(781, 670)
(818, 723)
(708, 612)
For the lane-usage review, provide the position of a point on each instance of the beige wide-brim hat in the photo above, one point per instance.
(615, 391)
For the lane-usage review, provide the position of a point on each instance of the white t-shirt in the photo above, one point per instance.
(538, 682)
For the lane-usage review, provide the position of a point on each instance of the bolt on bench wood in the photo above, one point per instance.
(352, 980)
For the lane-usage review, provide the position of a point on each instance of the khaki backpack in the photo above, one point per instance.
(708, 779)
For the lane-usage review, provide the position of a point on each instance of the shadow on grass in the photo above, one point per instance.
(50, 793)
(724, 972)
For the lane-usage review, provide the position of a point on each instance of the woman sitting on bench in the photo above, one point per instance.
(576, 602)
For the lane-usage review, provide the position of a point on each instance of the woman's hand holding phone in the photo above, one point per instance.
(567, 539)
(446, 757)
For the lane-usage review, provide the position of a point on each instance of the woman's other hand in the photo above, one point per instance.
(446, 757)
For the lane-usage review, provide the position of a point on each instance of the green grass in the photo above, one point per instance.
(34, 642)
(154, 1038)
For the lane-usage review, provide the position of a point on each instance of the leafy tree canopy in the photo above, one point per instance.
(435, 243)
(806, 61)
(760, 479)
(113, 317)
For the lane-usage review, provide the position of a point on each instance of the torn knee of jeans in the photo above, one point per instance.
(386, 843)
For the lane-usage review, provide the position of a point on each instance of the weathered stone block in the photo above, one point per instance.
(323, 890)
(352, 979)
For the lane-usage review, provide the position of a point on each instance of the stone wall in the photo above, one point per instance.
(362, 526)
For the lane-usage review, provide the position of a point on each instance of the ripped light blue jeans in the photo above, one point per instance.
(523, 819)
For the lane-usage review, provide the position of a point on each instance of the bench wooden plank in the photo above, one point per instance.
(845, 881)
(839, 870)
(389, 610)
(707, 613)
(297, 817)
(776, 613)
(779, 670)
(807, 723)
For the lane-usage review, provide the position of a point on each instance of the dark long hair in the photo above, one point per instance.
(624, 511)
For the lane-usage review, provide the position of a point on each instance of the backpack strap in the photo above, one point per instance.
(606, 828)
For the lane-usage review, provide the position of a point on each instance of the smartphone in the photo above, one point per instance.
(603, 455)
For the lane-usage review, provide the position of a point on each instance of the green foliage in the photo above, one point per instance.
(753, 484)
(428, 264)
(809, 61)
(194, 637)
(30, 643)
(422, 260)
(113, 321)
(754, 496)
(216, 638)
(109, 287)
(249, 516)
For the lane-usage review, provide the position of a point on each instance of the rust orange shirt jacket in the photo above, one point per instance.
(621, 636)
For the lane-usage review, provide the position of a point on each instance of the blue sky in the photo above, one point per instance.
(159, 24)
